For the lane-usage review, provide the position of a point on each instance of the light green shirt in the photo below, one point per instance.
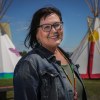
(67, 70)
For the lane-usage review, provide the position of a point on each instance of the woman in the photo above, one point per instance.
(46, 72)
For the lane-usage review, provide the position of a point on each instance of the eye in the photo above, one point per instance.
(46, 27)
(56, 25)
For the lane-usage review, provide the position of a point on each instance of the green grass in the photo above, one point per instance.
(92, 88)
(10, 95)
(7, 82)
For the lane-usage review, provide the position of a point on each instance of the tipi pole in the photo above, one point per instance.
(91, 56)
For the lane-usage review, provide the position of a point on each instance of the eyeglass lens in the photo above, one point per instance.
(48, 27)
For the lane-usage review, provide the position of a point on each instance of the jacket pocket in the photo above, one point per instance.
(48, 86)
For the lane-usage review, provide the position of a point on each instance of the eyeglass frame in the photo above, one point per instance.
(52, 25)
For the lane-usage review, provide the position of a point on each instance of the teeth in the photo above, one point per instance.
(54, 36)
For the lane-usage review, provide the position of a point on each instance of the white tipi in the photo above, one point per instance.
(9, 56)
(87, 55)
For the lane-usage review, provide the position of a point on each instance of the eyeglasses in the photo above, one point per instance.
(48, 27)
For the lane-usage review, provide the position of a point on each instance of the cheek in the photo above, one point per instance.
(60, 32)
(38, 36)
(41, 36)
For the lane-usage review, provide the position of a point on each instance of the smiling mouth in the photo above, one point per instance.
(54, 37)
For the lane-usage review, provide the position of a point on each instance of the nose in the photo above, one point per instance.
(53, 29)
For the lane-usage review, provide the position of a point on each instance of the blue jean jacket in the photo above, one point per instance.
(37, 77)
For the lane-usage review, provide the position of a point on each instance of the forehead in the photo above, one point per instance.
(50, 19)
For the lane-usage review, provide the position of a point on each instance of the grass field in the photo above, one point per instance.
(92, 88)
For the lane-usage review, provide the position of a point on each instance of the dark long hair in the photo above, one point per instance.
(30, 39)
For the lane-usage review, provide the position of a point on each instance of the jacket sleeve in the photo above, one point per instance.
(25, 82)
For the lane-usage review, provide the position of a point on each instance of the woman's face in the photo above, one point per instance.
(50, 36)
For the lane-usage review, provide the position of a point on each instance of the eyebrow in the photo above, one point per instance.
(49, 23)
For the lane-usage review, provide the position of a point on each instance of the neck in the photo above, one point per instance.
(52, 49)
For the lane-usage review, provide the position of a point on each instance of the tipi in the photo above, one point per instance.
(9, 56)
(87, 55)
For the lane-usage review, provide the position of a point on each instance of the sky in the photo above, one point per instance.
(74, 14)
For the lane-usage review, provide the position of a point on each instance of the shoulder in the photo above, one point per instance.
(30, 57)
(67, 53)
(26, 61)
(26, 65)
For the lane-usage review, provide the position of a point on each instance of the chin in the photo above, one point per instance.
(56, 44)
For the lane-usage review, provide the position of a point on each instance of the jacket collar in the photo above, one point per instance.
(50, 55)
(45, 52)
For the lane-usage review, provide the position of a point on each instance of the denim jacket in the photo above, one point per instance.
(37, 77)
